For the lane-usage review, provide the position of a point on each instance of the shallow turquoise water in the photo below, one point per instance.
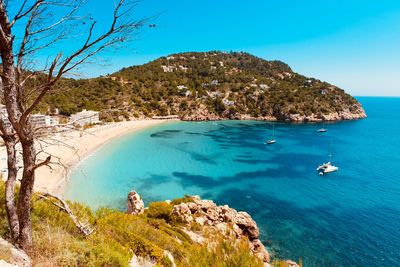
(349, 218)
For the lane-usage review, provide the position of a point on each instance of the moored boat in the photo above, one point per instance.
(327, 168)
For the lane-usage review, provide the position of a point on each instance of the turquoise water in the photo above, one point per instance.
(348, 218)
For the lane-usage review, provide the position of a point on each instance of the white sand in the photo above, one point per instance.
(72, 146)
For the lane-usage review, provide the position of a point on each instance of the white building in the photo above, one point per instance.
(168, 68)
(85, 117)
(181, 87)
(214, 82)
(40, 120)
(228, 103)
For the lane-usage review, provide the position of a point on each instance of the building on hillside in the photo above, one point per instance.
(37, 120)
(181, 87)
(85, 117)
(214, 82)
(168, 68)
(52, 120)
(228, 103)
(41, 120)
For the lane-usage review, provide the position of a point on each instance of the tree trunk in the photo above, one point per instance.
(10, 187)
(25, 194)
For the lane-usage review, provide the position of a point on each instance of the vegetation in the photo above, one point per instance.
(182, 83)
(117, 236)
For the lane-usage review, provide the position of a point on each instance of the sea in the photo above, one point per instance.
(347, 218)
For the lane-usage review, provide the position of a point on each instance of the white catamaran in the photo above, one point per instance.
(327, 168)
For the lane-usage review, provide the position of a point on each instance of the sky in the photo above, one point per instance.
(352, 44)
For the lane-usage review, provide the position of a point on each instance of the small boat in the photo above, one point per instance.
(322, 129)
(326, 168)
(271, 141)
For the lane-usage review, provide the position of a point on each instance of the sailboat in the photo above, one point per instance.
(322, 130)
(327, 168)
(271, 141)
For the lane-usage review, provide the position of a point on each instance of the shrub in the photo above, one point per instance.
(184, 199)
(160, 210)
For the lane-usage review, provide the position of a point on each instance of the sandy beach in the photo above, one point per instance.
(69, 147)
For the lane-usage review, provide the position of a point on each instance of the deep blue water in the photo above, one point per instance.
(348, 218)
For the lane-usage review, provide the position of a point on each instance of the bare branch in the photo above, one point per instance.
(85, 228)
(43, 163)
(21, 13)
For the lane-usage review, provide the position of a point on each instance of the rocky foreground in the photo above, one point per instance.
(191, 223)
(203, 220)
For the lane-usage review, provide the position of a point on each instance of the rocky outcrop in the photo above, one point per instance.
(290, 263)
(357, 113)
(135, 204)
(202, 219)
(11, 256)
(138, 261)
(222, 219)
(202, 114)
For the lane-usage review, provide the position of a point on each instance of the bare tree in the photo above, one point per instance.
(35, 26)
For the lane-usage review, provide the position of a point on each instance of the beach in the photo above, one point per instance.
(69, 147)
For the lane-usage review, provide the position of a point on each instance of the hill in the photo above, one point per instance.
(208, 86)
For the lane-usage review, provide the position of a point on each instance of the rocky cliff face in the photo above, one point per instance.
(202, 114)
(223, 220)
(203, 221)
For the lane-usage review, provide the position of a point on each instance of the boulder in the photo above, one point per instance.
(183, 213)
(291, 263)
(11, 256)
(247, 224)
(135, 204)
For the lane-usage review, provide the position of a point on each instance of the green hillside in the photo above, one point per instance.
(207, 86)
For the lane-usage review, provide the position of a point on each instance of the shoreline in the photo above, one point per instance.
(85, 145)
(70, 147)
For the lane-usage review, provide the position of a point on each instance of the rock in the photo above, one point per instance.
(194, 236)
(11, 256)
(169, 256)
(291, 263)
(221, 219)
(247, 224)
(6, 264)
(353, 112)
(138, 261)
(135, 204)
(259, 250)
(201, 220)
(183, 213)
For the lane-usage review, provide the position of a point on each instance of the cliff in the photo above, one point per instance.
(208, 86)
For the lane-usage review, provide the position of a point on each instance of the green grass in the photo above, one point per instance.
(117, 235)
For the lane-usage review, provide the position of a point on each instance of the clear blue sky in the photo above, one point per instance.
(353, 44)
